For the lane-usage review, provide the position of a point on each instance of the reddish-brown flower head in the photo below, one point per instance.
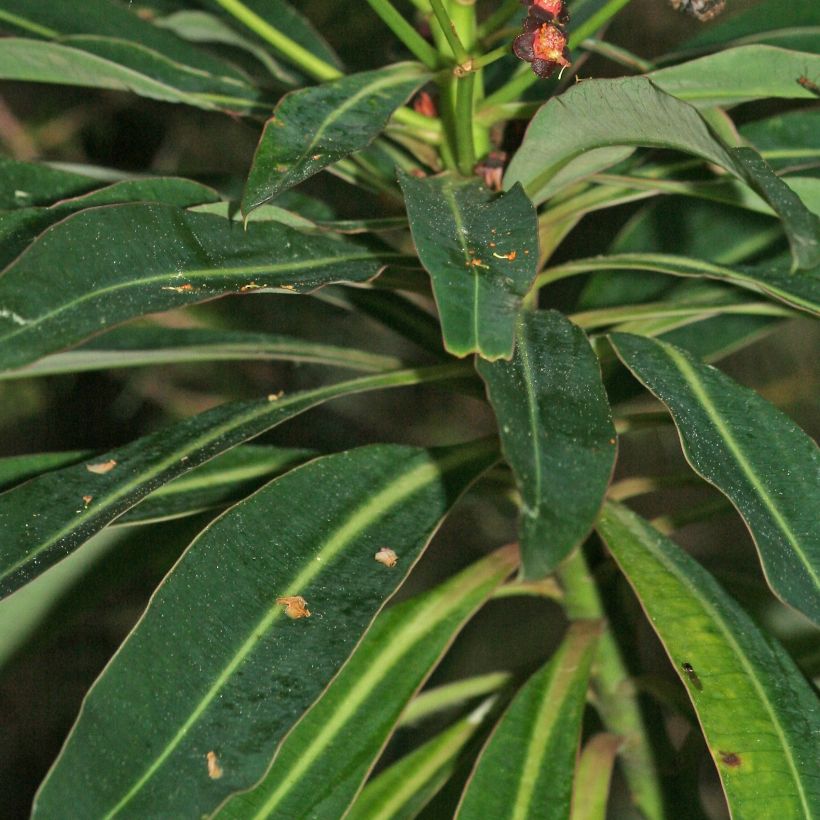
(544, 45)
(547, 11)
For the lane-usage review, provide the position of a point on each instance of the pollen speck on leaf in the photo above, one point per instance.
(214, 769)
(276, 396)
(387, 557)
(102, 468)
(295, 606)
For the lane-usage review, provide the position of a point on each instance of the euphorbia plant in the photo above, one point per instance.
(271, 668)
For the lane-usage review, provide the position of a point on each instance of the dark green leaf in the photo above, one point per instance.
(50, 516)
(120, 66)
(315, 127)
(217, 483)
(557, 434)
(230, 672)
(758, 714)
(143, 345)
(20, 227)
(481, 253)
(163, 258)
(26, 184)
(750, 451)
(314, 773)
(631, 111)
(16, 469)
(787, 140)
(536, 741)
(738, 75)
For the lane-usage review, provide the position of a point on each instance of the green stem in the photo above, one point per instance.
(619, 710)
(417, 45)
(449, 30)
(465, 141)
(299, 56)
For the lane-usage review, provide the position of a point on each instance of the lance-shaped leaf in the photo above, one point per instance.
(314, 773)
(481, 252)
(758, 714)
(536, 741)
(599, 114)
(121, 66)
(217, 483)
(50, 516)
(28, 184)
(155, 345)
(162, 258)
(20, 227)
(754, 454)
(556, 433)
(801, 290)
(401, 791)
(16, 469)
(738, 75)
(248, 629)
(787, 140)
(315, 127)
(592, 777)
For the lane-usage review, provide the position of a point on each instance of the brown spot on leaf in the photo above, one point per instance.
(730, 759)
(214, 769)
(387, 557)
(295, 606)
(102, 468)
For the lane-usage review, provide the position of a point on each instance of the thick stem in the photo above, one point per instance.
(618, 708)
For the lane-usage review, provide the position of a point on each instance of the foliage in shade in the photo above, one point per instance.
(480, 251)
(536, 741)
(556, 433)
(765, 751)
(721, 425)
(315, 127)
(593, 774)
(221, 646)
(314, 773)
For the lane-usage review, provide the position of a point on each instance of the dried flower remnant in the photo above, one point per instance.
(423, 104)
(102, 468)
(214, 769)
(543, 45)
(547, 11)
(491, 169)
(295, 606)
(387, 557)
(702, 10)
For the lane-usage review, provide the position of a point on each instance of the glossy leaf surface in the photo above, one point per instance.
(536, 740)
(163, 258)
(52, 515)
(758, 714)
(481, 253)
(632, 111)
(314, 773)
(750, 451)
(315, 127)
(28, 184)
(231, 672)
(556, 432)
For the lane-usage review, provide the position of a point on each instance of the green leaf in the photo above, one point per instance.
(401, 791)
(481, 253)
(217, 483)
(758, 714)
(739, 75)
(536, 741)
(771, 21)
(314, 773)
(52, 515)
(315, 127)
(140, 346)
(20, 227)
(27, 184)
(16, 469)
(163, 258)
(103, 18)
(632, 111)
(557, 434)
(593, 773)
(230, 672)
(800, 290)
(120, 66)
(787, 140)
(753, 453)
